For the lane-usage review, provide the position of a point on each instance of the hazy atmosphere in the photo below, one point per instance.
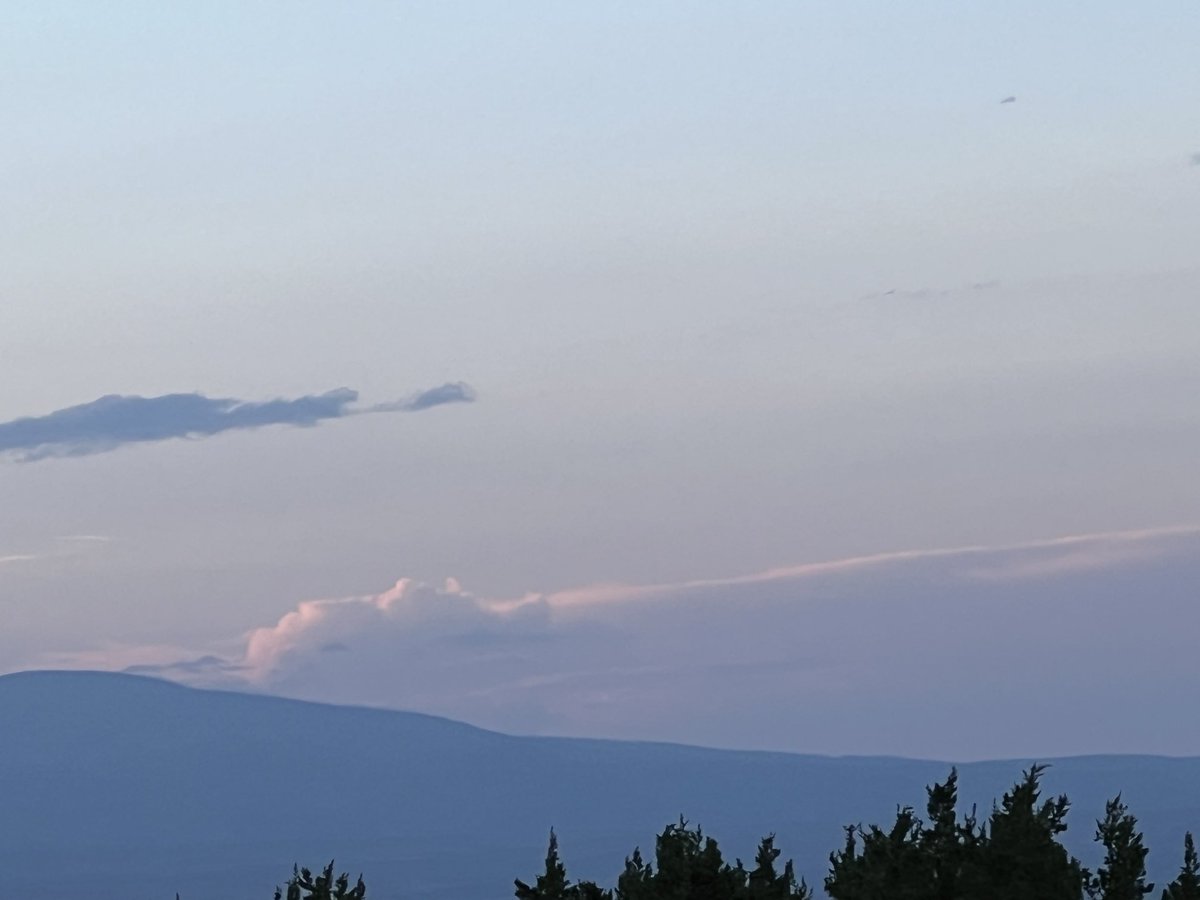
(808, 376)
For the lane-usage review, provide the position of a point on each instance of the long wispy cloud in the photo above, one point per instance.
(919, 652)
(115, 420)
(64, 547)
(923, 293)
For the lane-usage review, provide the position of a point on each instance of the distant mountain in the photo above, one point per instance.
(117, 786)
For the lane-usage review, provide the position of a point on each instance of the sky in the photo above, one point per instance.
(649, 306)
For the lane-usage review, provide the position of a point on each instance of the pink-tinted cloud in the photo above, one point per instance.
(407, 608)
(1043, 557)
(920, 653)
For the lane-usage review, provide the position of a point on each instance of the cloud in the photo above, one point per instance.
(210, 671)
(62, 548)
(1092, 553)
(924, 293)
(451, 392)
(1195, 159)
(218, 668)
(1005, 562)
(115, 420)
(417, 626)
(915, 652)
(201, 664)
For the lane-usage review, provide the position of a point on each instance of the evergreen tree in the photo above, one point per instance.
(914, 860)
(949, 848)
(1123, 873)
(890, 865)
(552, 884)
(1186, 885)
(1020, 857)
(764, 882)
(690, 867)
(303, 885)
(637, 881)
(589, 890)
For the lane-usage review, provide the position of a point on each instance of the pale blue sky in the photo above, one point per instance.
(657, 239)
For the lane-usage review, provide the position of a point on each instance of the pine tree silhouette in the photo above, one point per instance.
(553, 884)
(303, 885)
(1020, 856)
(1186, 885)
(1122, 876)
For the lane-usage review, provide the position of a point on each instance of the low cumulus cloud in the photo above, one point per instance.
(409, 614)
(115, 420)
(920, 653)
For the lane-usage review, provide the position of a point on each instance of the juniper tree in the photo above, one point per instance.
(764, 882)
(949, 848)
(1186, 885)
(690, 866)
(636, 882)
(890, 865)
(1122, 876)
(303, 885)
(1020, 857)
(553, 884)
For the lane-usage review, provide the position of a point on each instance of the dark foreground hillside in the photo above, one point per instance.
(115, 786)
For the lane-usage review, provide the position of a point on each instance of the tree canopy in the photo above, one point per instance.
(1015, 853)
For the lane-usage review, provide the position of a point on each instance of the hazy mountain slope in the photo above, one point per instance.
(135, 788)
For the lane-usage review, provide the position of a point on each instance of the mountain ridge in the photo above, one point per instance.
(147, 787)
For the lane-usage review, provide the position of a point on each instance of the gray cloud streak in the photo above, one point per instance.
(451, 392)
(927, 292)
(210, 666)
(115, 420)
